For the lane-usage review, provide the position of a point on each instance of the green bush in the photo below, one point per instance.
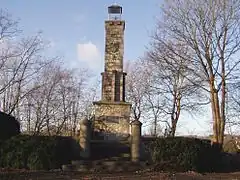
(184, 154)
(38, 152)
(9, 126)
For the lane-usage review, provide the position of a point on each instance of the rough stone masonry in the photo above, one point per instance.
(112, 112)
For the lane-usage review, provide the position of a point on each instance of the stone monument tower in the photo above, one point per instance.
(112, 112)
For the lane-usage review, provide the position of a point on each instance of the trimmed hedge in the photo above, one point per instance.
(9, 126)
(38, 152)
(184, 154)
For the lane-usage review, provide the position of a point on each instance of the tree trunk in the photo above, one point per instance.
(218, 119)
(173, 128)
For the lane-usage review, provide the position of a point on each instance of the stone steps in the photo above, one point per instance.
(107, 156)
(105, 166)
(107, 149)
(111, 164)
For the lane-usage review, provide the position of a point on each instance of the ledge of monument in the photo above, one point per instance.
(84, 121)
(112, 103)
(136, 122)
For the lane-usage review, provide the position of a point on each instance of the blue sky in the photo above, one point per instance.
(75, 30)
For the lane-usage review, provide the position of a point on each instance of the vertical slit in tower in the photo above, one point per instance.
(117, 86)
(123, 88)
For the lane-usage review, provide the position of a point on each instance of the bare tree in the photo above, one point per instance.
(155, 130)
(136, 86)
(171, 85)
(19, 62)
(8, 31)
(44, 95)
(58, 102)
(233, 107)
(153, 110)
(19, 71)
(210, 30)
(8, 27)
(145, 102)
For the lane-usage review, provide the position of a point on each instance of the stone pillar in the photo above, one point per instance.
(135, 140)
(84, 138)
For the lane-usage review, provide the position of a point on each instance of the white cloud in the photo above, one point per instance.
(89, 54)
(88, 51)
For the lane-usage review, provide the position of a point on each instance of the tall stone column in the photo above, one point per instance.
(112, 112)
(84, 138)
(135, 140)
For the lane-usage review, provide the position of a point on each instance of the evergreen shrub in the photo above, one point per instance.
(9, 126)
(38, 152)
(184, 154)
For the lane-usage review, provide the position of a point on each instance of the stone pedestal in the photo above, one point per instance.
(135, 140)
(84, 138)
(112, 119)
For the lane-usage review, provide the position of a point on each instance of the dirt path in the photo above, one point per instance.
(122, 176)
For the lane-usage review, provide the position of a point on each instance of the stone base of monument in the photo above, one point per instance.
(67, 167)
(107, 156)
(106, 166)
